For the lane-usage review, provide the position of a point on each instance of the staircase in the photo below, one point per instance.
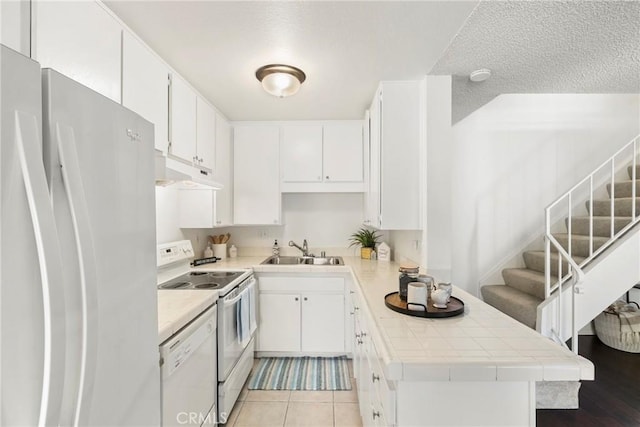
(524, 292)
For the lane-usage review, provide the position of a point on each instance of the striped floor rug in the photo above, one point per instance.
(301, 373)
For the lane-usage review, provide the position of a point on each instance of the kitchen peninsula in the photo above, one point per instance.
(479, 368)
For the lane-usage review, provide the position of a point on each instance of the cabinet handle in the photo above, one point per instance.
(375, 378)
(351, 292)
(305, 298)
(218, 222)
(363, 334)
(356, 308)
(358, 335)
(376, 414)
(327, 177)
(359, 341)
(319, 178)
(297, 298)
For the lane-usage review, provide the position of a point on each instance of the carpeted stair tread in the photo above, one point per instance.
(630, 171)
(601, 224)
(624, 188)
(621, 207)
(514, 303)
(525, 280)
(534, 260)
(579, 243)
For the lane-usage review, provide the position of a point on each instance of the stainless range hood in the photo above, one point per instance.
(175, 173)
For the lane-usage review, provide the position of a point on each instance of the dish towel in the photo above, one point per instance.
(242, 316)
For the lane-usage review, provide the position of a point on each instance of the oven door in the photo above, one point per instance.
(230, 342)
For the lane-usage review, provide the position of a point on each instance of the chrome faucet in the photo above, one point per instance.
(304, 248)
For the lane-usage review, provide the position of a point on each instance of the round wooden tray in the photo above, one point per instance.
(455, 307)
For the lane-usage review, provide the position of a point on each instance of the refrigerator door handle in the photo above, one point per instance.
(72, 180)
(29, 151)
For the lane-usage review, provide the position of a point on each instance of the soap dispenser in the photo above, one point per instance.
(275, 249)
(233, 251)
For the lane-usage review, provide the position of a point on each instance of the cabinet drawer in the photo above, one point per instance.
(304, 284)
(380, 390)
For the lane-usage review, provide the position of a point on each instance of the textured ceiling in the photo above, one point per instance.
(544, 47)
(344, 47)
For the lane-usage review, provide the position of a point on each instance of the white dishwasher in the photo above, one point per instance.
(188, 373)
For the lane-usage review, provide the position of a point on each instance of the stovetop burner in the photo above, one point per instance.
(222, 273)
(175, 285)
(208, 286)
(198, 273)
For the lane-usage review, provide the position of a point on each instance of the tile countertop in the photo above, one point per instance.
(483, 344)
(176, 308)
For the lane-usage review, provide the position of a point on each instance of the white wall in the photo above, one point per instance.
(167, 228)
(326, 220)
(513, 157)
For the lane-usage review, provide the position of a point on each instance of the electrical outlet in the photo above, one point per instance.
(262, 234)
(416, 244)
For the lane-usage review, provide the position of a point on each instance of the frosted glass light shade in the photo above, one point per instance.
(280, 80)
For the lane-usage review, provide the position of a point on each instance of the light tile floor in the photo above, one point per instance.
(265, 408)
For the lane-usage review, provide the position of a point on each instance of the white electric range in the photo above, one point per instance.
(236, 314)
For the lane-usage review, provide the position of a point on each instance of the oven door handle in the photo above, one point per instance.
(237, 297)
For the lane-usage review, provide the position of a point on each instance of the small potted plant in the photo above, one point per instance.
(366, 239)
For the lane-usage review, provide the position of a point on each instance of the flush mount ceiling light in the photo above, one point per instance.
(280, 80)
(480, 75)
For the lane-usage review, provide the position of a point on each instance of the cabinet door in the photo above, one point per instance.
(183, 120)
(279, 322)
(205, 134)
(256, 177)
(342, 152)
(400, 156)
(374, 163)
(145, 87)
(323, 322)
(222, 172)
(302, 153)
(81, 40)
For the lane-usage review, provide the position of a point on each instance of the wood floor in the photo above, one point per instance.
(612, 400)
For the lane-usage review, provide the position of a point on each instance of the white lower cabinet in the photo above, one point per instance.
(301, 315)
(279, 322)
(375, 396)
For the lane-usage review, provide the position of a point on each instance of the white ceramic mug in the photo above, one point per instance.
(447, 288)
(439, 298)
(416, 296)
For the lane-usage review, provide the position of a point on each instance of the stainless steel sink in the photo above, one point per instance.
(297, 260)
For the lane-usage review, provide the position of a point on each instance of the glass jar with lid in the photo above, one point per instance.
(408, 273)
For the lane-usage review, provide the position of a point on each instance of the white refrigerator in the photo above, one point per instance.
(78, 303)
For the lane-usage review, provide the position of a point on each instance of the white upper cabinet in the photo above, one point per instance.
(396, 120)
(193, 126)
(322, 157)
(145, 87)
(205, 134)
(222, 172)
(183, 120)
(81, 40)
(301, 153)
(342, 152)
(256, 175)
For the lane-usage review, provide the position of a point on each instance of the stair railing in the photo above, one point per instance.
(575, 270)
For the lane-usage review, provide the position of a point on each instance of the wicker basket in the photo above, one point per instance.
(607, 327)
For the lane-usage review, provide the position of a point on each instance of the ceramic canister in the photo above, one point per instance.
(417, 296)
